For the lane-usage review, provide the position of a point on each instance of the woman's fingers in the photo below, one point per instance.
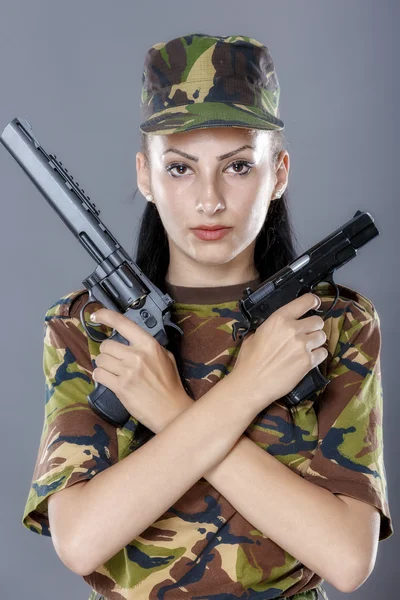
(315, 339)
(299, 306)
(109, 363)
(310, 324)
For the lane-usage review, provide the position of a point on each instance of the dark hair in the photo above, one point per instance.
(274, 249)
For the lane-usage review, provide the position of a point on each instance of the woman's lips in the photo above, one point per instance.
(207, 234)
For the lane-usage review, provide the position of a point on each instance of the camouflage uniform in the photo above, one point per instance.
(201, 547)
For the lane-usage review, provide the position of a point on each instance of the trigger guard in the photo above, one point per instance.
(85, 324)
(323, 315)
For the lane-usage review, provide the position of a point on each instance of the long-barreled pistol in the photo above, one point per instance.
(314, 266)
(117, 281)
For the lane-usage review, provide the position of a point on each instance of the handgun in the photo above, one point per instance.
(117, 282)
(312, 268)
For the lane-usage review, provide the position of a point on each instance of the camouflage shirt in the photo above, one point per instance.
(202, 547)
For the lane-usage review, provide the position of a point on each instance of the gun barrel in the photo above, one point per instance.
(322, 259)
(60, 190)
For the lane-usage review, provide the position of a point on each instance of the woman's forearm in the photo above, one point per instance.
(309, 522)
(119, 503)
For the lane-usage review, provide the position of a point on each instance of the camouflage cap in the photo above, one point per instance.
(198, 81)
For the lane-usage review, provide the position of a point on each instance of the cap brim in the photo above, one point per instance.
(199, 115)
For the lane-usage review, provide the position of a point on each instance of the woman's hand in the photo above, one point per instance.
(284, 348)
(143, 375)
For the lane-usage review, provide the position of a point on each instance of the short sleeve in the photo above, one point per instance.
(75, 442)
(349, 458)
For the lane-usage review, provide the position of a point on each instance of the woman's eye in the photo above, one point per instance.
(176, 166)
(242, 163)
(181, 168)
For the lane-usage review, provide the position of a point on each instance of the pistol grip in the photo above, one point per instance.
(311, 383)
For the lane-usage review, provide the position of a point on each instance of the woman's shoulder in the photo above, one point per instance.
(70, 304)
(353, 324)
(348, 299)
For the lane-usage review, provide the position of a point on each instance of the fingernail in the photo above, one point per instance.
(318, 301)
(92, 317)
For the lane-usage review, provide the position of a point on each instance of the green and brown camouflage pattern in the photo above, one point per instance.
(202, 548)
(198, 81)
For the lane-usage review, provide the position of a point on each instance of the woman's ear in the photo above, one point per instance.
(142, 174)
(282, 170)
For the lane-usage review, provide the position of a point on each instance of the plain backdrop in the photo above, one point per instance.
(73, 69)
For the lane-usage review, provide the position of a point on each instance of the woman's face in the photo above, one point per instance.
(215, 176)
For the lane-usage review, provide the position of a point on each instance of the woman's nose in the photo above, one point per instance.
(210, 208)
(210, 198)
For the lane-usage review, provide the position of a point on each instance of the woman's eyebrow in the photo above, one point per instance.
(196, 159)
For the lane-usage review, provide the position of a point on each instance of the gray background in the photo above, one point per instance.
(73, 70)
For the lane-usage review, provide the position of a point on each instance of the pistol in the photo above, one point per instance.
(117, 282)
(313, 267)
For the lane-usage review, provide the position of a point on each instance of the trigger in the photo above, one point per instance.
(86, 325)
(328, 279)
(169, 323)
(239, 330)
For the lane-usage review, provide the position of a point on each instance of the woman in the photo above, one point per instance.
(202, 510)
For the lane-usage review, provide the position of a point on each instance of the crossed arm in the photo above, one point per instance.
(334, 539)
(329, 533)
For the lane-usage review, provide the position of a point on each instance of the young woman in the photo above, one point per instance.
(233, 495)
